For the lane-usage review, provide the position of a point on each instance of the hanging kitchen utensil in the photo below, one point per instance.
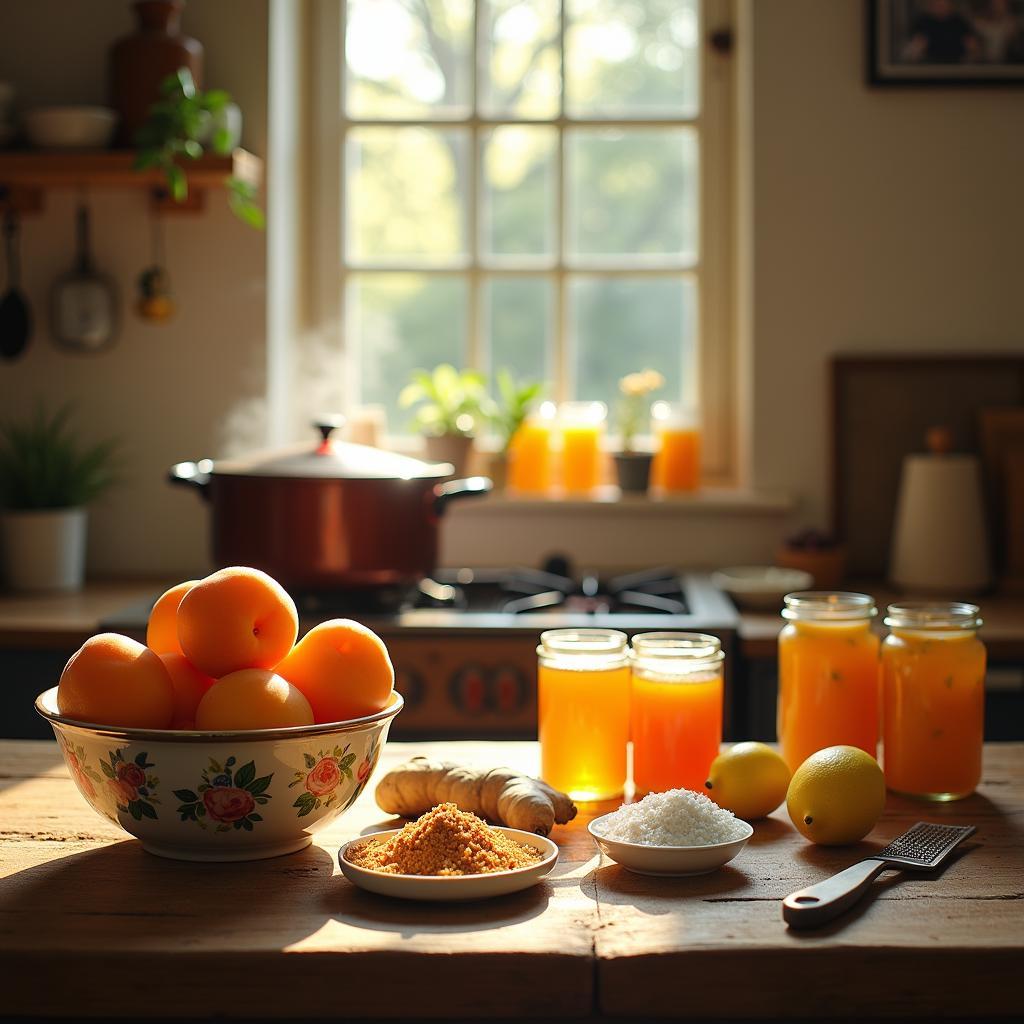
(155, 302)
(15, 313)
(83, 301)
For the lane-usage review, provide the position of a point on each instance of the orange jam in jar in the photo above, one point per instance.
(583, 714)
(676, 709)
(828, 674)
(933, 700)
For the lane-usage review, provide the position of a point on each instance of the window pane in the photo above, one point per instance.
(518, 318)
(519, 74)
(408, 60)
(398, 323)
(618, 325)
(406, 194)
(632, 192)
(519, 191)
(632, 58)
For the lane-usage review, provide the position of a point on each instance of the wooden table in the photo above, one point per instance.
(91, 925)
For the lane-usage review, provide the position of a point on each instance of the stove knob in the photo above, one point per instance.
(410, 685)
(468, 690)
(509, 689)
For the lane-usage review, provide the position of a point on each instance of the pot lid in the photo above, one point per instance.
(331, 459)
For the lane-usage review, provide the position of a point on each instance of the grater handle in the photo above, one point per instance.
(818, 903)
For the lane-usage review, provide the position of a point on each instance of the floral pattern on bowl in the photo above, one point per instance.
(236, 795)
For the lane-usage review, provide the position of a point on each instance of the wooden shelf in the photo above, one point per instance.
(26, 175)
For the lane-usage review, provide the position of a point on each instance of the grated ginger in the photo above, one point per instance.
(444, 841)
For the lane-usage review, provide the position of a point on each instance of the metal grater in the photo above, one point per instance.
(924, 846)
(921, 848)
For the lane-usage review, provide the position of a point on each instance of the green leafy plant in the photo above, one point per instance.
(449, 401)
(515, 400)
(172, 132)
(44, 465)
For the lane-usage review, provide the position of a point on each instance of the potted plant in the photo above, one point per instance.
(634, 467)
(47, 478)
(514, 402)
(451, 405)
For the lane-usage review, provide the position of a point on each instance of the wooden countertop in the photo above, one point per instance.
(91, 925)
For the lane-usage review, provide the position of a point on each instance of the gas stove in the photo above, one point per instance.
(464, 642)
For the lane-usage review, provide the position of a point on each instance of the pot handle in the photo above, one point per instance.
(471, 487)
(193, 474)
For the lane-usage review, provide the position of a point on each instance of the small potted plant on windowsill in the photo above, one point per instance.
(633, 467)
(451, 405)
(514, 402)
(47, 478)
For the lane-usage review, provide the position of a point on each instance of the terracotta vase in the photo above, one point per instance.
(141, 61)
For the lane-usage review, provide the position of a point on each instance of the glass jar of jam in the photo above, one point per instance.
(583, 712)
(676, 716)
(828, 674)
(933, 700)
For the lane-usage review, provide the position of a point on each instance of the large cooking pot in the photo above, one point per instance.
(328, 516)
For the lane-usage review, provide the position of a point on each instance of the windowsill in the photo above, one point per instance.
(609, 500)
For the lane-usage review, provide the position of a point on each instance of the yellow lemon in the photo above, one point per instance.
(749, 779)
(836, 796)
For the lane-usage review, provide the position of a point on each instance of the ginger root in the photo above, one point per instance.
(501, 795)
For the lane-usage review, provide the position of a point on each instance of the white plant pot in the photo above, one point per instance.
(43, 549)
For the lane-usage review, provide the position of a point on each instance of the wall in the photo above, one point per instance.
(171, 392)
(883, 220)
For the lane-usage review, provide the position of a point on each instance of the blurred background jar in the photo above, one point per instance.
(676, 465)
(676, 709)
(581, 429)
(583, 713)
(828, 674)
(933, 699)
(530, 454)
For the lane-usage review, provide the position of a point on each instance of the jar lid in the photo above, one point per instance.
(933, 615)
(828, 606)
(671, 646)
(583, 641)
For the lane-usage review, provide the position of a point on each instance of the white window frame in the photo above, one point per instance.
(714, 268)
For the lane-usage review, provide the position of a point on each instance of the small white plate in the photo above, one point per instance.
(452, 887)
(667, 860)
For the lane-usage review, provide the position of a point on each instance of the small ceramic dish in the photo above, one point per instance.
(70, 127)
(667, 860)
(451, 888)
(761, 587)
(239, 795)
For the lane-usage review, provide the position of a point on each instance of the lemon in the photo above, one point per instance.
(749, 779)
(836, 796)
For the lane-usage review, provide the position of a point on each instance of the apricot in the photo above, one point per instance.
(162, 628)
(343, 668)
(114, 680)
(189, 686)
(252, 698)
(236, 618)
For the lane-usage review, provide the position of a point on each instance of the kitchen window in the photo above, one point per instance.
(535, 185)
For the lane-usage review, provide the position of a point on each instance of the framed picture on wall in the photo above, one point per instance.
(945, 42)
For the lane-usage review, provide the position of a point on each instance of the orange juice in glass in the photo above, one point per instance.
(581, 427)
(530, 454)
(828, 675)
(933, 700)
(583, 697)
(676, 712)
(676, 464)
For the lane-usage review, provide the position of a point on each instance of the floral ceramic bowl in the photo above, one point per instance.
(221, 795)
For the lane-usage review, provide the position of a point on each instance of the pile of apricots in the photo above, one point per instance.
(220, 653)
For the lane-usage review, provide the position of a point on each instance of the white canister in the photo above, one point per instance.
(939, 541)
(43, 549)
